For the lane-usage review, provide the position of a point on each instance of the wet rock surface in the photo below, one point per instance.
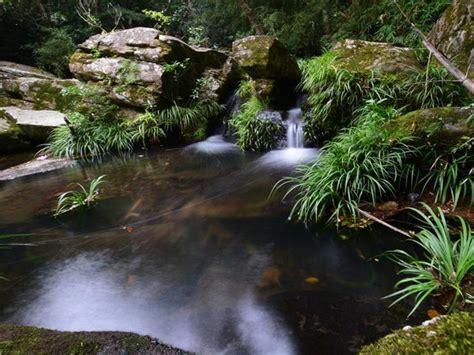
(24, 340)
(36, 166)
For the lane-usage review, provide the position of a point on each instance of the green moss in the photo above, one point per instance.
(32, 340)
(442, 126)
(48, 95)
(453, 334)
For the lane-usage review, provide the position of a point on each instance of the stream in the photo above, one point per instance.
(188, 246)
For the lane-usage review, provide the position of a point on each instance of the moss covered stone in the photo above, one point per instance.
(366, 57)
(445, 126)
(11, 136)
(453, 334)
(453, 34)
(30, 340)
(265, 57)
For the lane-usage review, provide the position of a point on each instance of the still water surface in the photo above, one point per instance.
(188, 247)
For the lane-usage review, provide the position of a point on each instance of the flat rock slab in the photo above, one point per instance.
(36, 166)
(42, 118)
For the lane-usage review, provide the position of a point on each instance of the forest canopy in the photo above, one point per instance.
(45, 32)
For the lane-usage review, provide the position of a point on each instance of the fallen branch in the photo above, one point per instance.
(388, 225)
(445, 62)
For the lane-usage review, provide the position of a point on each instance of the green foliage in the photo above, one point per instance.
(82, 198)
(161, 20)
(451, 175)
(197, 36)
(381, 20)
(361, 165)
(177, 68)
(53, 54)
(95, 127)
(254, 133)
(447, 261)
(336, 93)
(451, 335)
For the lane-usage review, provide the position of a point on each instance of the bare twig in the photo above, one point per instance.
(388, 225)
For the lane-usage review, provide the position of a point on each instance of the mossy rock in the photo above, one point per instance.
(453, 34)
(444, 126)
(265, 57)
(31, 340)
(365, 57)
(11, 136)
(453, 334)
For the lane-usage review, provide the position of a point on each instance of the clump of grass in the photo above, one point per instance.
(451, 175)
(447, 263)
(95, 127)
(83, 198)
(254, 133)
(361, 165)
(336, 93)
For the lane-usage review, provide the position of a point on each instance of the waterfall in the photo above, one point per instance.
(295, 133)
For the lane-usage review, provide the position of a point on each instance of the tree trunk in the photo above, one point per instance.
(251, 17)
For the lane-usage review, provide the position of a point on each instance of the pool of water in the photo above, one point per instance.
(189, 247)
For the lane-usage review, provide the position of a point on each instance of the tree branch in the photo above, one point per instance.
(445, 62)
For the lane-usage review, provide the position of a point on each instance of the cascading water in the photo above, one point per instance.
(295, 133)
(295, 153)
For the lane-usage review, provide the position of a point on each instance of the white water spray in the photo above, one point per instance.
(295, 133)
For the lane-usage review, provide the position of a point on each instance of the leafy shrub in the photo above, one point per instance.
(53, 54)
(446, 265)
(79, 199)
(360, 165)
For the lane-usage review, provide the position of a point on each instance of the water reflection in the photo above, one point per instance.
(194, 254)
(214, 311)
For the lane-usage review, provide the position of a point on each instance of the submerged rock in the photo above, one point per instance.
(453, 34)
(29, 340)
(36, 166)
(365, 57)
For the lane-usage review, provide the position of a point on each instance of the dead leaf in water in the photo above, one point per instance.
(311, 280)
(130, 229)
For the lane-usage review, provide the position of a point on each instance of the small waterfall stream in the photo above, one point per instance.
(295, 133)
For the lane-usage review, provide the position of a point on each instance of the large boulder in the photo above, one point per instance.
(28, 87)
(265, 57)
(443, 126)
(453, 34)
(364, 57)
(143, 67)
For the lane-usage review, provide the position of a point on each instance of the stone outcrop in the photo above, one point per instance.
(364, 57)
(453, 34)
(265, 57)
(21, 128)
(443, 126)
(143, 67)
(28, 87)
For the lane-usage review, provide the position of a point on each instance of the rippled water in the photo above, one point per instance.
(189, 248)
